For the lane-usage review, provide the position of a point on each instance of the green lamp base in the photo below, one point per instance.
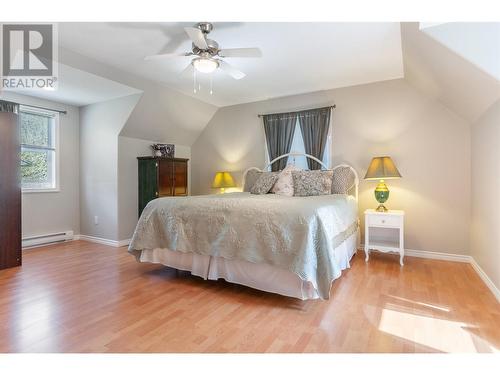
(381, 195)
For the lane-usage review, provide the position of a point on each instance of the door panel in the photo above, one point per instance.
(148, 182)
(180, 178)
(10, 192)
(166, 178)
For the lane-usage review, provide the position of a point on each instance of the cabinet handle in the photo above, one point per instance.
(156, 193)
(156, 164)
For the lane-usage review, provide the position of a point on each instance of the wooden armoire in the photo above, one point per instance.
(161, 177)
(10, 186)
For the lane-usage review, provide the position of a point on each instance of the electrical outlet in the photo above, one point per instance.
(96, 220)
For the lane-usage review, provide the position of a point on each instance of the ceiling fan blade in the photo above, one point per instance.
(197, 36)
(240, 52)
(229, 69)
(164, 55)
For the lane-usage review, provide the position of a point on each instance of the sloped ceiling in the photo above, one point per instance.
(77, 87)
(478, 42)
(446, 76)
(162, 114)
(298, 57)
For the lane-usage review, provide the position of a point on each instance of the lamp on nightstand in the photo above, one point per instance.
(223, 180)
(382, 168)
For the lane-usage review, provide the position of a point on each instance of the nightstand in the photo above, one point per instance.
(384, 231)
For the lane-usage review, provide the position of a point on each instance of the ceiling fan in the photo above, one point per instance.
(208, 54)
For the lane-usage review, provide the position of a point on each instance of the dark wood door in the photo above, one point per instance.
(166, 178)
(148, 182)
(10, 192)
(180, 178)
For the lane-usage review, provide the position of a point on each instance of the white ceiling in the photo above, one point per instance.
(77, 87)
(296, 58)
(478, 42)
(445, 75)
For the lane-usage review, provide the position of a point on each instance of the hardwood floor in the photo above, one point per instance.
(84, 297)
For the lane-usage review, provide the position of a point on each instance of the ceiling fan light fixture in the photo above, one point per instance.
(205, 65)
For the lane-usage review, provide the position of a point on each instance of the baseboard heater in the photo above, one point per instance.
(47, 239)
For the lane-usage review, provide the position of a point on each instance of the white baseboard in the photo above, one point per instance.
(454, 258)
(103, 241)
(438, 256)
(486, 279)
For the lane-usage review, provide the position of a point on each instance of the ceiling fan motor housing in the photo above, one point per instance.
(213, 48)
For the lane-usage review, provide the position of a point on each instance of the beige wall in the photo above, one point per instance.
(429, 143)
(485, 233)
(128, 151)
(54, 212)
(100, 125)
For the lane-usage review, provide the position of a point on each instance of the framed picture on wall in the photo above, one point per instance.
(165, 150)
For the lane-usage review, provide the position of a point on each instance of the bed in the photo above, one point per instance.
(293, 246)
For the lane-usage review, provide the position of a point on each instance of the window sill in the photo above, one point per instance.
(31, 191)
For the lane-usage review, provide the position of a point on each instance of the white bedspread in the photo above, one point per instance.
(292, 233)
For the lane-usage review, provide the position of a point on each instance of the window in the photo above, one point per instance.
(39, 154)
(298, 146)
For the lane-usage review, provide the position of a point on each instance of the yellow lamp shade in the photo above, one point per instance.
(382, 168)
(223, 180)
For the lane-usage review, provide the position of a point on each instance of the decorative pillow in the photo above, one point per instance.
(264, 183)
(284, 185)
(250, 178)
(307, 183)
(342, 180)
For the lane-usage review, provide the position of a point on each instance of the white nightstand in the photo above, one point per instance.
(384, 231)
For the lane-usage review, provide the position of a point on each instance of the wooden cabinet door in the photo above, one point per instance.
(166, 178)
(148, 182)
(10, 192)
(180, 178)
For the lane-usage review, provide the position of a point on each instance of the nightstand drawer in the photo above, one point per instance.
(381, 220)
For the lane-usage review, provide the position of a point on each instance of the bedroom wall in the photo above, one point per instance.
(429, 143)
(45, 213)
(100, 125)
(485, 234)
(128, 151)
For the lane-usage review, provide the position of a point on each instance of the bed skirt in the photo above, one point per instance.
(259, 276)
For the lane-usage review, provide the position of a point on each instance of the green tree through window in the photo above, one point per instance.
(37, 149)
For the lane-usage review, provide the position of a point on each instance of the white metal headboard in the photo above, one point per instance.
(356, 177)
(295, 154)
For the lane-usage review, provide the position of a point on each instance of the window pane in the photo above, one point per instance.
(37, 168)
(36, 130)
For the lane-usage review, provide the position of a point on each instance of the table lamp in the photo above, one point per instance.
(223, 180)
(382, 168)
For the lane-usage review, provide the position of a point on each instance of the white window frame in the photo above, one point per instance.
(55, 115)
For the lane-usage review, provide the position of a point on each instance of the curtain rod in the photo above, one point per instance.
(47, 109)
(332, 106)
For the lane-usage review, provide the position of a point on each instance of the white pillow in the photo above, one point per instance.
(284, 184)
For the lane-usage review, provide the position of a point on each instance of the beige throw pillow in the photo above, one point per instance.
(343, 180)
(264, 183)
(284, 185)
(308, 183)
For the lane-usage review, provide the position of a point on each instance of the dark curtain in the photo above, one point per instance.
(314, 126)
(279, 129)
(9, 107)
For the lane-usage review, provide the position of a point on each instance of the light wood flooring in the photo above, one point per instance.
(84, 297)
